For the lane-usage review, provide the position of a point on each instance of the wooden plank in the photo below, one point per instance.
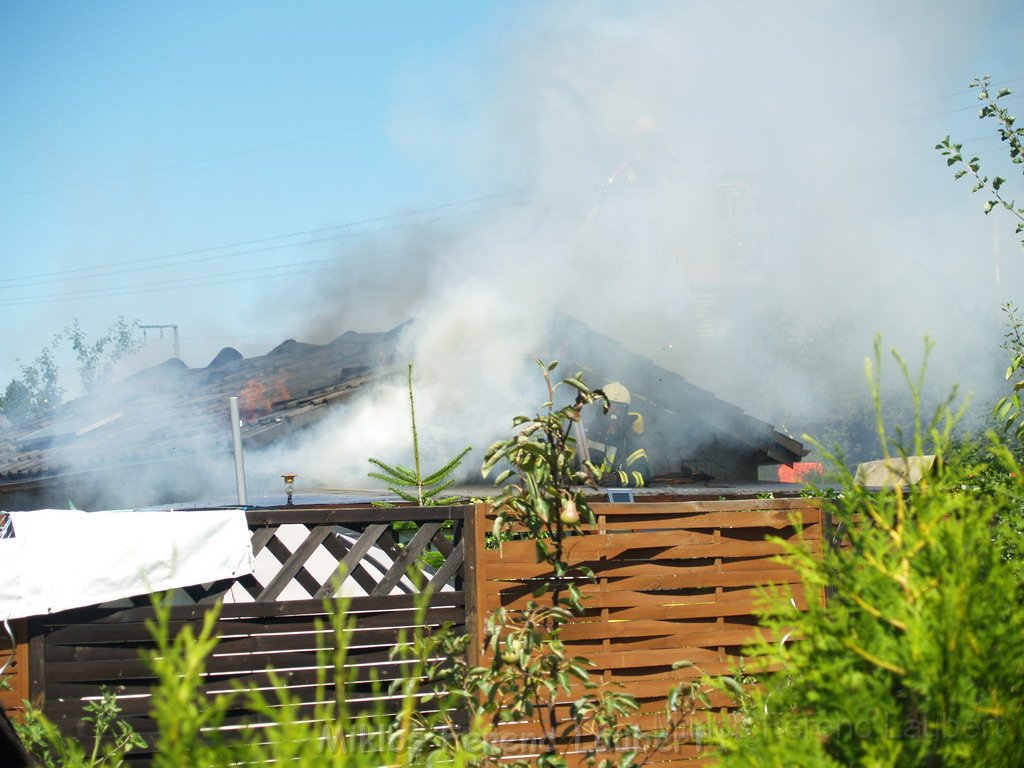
(354, 605)
(527, 566)
(123, 633)
(261, 536)
(770, 513)
(303, 577)
(639, 601)
(37, 661)
(15, 660)
(358, 515)
(476, 589)
(309, 698)
(294, 564)
(444, 542)
(589, 648)
(366, 540)
(232, 665)
(246, 643)
(523, 569)
(705, 633)
(694, 610)
(339, 547)
(449, 569)
(405, 559)
(763, 518)
(644, 546)
(690, 508)
(647, 721)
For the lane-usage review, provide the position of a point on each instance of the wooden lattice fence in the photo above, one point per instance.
(269, 619)
(674, 581)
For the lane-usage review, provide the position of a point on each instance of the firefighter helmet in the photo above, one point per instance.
(616, 393)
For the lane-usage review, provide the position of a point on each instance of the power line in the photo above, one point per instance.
(265, 273)
(951, 111)
(106, 270)
(174, 282)
(144, 288)
(937, 161)
(960, 93)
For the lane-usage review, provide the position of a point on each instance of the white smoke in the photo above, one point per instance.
(629, 128)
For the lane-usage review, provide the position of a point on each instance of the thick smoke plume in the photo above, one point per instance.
(743, 192)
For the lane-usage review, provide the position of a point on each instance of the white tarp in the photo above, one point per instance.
(60, 559)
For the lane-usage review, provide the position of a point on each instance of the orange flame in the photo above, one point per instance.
(257, 400)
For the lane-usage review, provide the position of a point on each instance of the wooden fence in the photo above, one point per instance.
(268, 619)
(674, 582)
(14, 661)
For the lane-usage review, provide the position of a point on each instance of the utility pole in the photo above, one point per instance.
(162, 328)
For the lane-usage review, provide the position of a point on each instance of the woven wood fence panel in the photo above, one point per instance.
(269, 618)
(674, 582)
(14, 661)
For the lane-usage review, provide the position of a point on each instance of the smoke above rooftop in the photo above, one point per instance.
(743, 192)
(746, 193)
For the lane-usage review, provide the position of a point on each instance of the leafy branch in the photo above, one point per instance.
(991, 109)
(532, 672)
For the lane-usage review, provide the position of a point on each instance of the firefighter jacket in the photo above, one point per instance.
(622, 458)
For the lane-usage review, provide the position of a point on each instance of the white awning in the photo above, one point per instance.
(60, 559)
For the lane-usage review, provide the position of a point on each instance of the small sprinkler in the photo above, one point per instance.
(289, 485)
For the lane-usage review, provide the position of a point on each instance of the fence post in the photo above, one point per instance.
(474, 549)
(37, 662)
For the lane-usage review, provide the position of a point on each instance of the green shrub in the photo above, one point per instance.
(916, 659)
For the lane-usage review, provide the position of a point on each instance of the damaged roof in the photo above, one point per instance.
(673, 406)
(172, 414)
(118, 446)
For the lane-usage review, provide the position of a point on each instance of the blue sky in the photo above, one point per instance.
(138, 130)
(207, 164)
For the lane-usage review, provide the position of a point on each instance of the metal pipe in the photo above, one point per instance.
(236, 434)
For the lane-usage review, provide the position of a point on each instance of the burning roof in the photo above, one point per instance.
(163, 435)
(122, 445)
(688, 429)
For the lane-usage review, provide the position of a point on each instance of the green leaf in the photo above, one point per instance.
(447, 469)
(385, 479)
(732, 685)
(579, 385)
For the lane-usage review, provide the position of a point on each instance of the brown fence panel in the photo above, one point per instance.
(673, 582)
(273, 618)
(14, 662)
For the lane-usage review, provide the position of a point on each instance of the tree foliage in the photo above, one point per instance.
(409, 483)
(38, 390)
(916, 659)
(530, 671)
(96, 359)
(992, 109)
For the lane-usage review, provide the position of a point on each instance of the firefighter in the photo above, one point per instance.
(615, 439)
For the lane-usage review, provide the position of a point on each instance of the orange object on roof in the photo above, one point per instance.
(801, 472)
